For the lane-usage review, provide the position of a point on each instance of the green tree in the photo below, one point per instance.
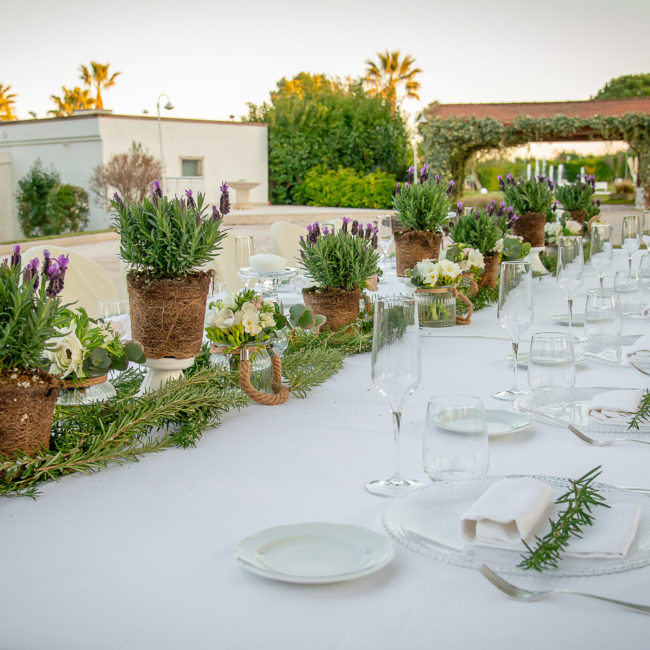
(71, 100)
(392, 74)
(99, 78)
(7, 103)
(316, 120)
(31, 197)
(629, 85)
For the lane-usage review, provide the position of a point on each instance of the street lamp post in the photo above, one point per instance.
(168, 107)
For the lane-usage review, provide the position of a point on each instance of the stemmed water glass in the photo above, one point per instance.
(600, 249)
(514, 311)
(570, 265)
(385, 236)
(396, 373)
(644, 228)
(243, 250)
(630, 237)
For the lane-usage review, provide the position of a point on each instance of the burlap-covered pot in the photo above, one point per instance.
(27, 402)
(413, 246)
(530, 226)
(578, 215)
(167, 315)
(340, 307)
(490, 272)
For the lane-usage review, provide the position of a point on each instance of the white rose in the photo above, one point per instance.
(573, 227)
(267, 319)
(65, 353)
(475, 258)
(251, 322)
(465, 265)
(449, 269)
(225, 318)
(248, 306)
(430, 278)
(210, 316)
(425, 267)
(498, 247)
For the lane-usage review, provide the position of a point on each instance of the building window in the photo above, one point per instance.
(191, 166)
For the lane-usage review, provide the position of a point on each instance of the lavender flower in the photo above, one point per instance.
(424, 173)
(355, 227)
(157, 191)
(118, 199)
(597, 203)
(459, 208)
(489, 208)
(437, 179)
(510, 179)
(450, 188)
(326, 230)
(406, 186)
(398, 189)
(346, 221)
(62, 261)
(224, 202)
(215, 214)
(501, 209)
(31, 271)
(502, 185)
(368, 231)
(15, 256)
(46, 261)
(410, 177)
(190, 199)
(55, 285)
(374, 239)
(555, 204)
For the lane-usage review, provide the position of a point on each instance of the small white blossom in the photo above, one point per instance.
(574, 227)
(65, 353)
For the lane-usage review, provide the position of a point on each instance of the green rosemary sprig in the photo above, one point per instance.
(643, 414)
(580, 499)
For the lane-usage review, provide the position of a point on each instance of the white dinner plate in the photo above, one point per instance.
(609, 350)
(315, 553)
(522, 358)
(503, 423)
(563, 319)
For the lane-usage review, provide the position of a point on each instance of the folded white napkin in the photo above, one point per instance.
(610, 535)
(509, 510)
(642, 344)
(614, 406)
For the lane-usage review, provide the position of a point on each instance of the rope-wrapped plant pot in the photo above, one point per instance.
(340, 307)
(27, 402)
(413, 246)
(460, 320)
(81, 384)
(167, 315)
(490, 272)
(530, 226)
(280, 393)
(470, 284)
(578, 215)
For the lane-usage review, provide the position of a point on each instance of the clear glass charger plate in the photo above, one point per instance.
(609, 350)
(559, 407)
(563, 319)
(428, 521)
(315, 552)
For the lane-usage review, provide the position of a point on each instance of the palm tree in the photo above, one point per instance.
(385, 78)
(98, 77)
(72, 100)
(7, 101)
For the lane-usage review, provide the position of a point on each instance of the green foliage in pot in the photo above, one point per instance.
(482, 228)
(29, 307)
(578, 195)
(343, 259)
(424, 205)
(167, 239)
(534, 195)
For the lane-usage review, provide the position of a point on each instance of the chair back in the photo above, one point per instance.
(285, 241)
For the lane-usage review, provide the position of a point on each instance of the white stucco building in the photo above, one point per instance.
(198, 154)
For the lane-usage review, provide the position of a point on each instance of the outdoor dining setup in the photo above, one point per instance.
(386, 433)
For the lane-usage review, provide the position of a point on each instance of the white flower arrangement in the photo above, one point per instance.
(430, 274)
(469, 259)
(572, 227)
(65, 353)
(555, 229)
(242, 318)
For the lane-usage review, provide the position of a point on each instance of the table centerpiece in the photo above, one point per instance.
(422, 210)
(166, 241)
(436, 290)
(531, 200)
(576, 198)
(340, 264)
(30, 307)
(82, 354)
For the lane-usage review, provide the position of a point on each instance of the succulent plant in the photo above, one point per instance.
(304, 317)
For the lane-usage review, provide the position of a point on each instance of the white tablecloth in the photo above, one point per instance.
(141, 556)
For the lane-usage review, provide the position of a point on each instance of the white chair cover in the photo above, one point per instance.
(86, 282)
(225, 264)
(285, 241)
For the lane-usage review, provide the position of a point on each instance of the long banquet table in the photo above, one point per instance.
(142, 555)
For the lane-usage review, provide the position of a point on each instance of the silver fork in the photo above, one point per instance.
(602, 443)
(527, 595)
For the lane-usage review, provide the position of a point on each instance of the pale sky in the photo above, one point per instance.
(211, 57)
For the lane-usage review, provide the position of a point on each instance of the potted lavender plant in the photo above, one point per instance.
(339, 263)
(30, 307)
(576, 198)
(422, 209)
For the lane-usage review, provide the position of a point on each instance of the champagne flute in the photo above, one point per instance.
(600, 249)
(385, 236)
(570, 265)
(396, 373)
(514, 311)
(644, 228)
(243, 250)
(630, 237)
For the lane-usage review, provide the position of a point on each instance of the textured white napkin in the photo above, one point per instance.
(509, 510)
(614, 406)
(610, 535)
(642, 344)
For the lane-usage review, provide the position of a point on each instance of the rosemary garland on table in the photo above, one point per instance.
(570, 522)
(643, 414)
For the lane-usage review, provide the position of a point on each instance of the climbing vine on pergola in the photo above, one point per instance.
(449, 144)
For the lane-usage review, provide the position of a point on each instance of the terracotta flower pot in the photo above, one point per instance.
(27, 400)
(530, 226)
(490, 272)
(413, 246)
(167, 315)
(339, 307)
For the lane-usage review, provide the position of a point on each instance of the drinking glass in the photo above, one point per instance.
(602, 318)
(630, 237)
(570, 264)
(644, 274)
(627, 288)
(551, 361)
(455, 438)
(514, 311)
(396, 373)
(644, 228)
(243, 250)
(600, 249)
(116, 312)
(385, 236)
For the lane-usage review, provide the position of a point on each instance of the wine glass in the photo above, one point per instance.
(243, 250)
(600, 249)
(396, 373)
(644, 228)
(630, 237)
(570, 265)
(514, 311)
(385, 236)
